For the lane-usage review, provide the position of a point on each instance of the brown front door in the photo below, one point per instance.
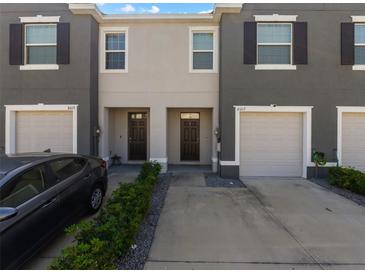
(190, 136)
(137, 136)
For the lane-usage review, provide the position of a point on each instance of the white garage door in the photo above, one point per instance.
(353, 140)
(37, 131)
(271, 144)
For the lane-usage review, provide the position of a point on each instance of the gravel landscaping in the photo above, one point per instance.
(213, 180)
(359, 199)
(138, 253)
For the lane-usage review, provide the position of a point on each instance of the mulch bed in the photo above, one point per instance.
(357, 198)
(213, 180)
(138, 253)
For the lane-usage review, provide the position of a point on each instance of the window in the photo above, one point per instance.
(65, 168)
(203, 49)
(138, 116)
(24, 188)
(274, 43)
(40, 44)
(114, 48)
(359, 44)
(189, 115)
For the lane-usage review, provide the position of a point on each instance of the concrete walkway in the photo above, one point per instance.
(272, 224)
(42, 260)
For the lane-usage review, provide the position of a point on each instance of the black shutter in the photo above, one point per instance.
(347, 44)
(63, 43)
(249, 42)
(300, 41)
(16, 44)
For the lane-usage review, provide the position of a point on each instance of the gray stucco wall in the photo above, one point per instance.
(324, 83)
(75, 83)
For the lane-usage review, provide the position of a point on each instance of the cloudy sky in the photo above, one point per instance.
(115, 8)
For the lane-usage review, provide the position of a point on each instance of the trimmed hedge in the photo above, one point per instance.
(106, 238)
(348, 178)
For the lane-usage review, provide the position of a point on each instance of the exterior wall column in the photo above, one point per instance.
(158, 133)
(215, 125)
(104, 133)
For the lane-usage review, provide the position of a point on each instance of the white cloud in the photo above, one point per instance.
(100, 4)
(127, 8)
(206, 11)
(153, 9)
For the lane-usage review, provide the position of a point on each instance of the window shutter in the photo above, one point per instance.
(347, 44)
(300, 43)
(16, 44)
(249, 42)
(63, 43)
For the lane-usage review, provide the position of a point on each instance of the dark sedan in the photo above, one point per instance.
(40, 193)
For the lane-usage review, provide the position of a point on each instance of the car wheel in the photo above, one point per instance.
(95, 198)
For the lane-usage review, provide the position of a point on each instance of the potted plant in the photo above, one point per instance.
(319, 160)
(116, 160)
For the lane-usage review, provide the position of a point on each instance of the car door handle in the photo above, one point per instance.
(49, 202)
(87, 176)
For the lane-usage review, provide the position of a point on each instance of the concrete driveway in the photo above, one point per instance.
(271, 224)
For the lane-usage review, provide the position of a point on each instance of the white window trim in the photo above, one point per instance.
(358, 18)
(340, 111)
(39, 67)
(359, 66)
(206, 29)
(307, 130)
(36, 66)
(276, 66)
(10, 122)
(103, 32)
(40, 19)
(276, 18)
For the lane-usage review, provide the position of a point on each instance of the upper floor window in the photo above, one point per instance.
(203, 49)
(359, 44)
(115, 50)
(274, 43)
(40, 44)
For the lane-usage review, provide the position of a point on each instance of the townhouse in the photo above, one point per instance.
(158, 87)
(48, 79)
(292, 82)
(139, 87)
(251, 90)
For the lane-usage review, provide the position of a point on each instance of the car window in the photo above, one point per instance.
(65, 168)
(23, 188)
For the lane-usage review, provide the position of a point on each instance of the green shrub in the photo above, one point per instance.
(149, 168)
(106, 238)
(348, 178)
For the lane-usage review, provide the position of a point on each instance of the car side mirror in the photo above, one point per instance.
(7, 213)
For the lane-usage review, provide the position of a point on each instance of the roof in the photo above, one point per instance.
(10, 162)
(100, 17)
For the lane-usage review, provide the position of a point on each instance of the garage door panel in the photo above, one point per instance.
(353, 140)
(39, 130)
(271, 144)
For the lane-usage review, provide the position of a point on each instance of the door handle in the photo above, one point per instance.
(87, 176)
(49, 202)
